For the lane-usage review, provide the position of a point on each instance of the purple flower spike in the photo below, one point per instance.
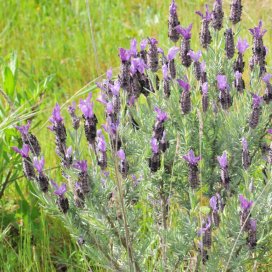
(152, 41)
(257, 100)
(172, 53)
(133, 48)
(173, 8)
(109, 74)
(24, 152)
(242, 45)
(121, 154)
(81, 165)
(195, 56)
(223, 160)
(185, 32)
(191, 158)
(257, 31)
(60, 190)
(184, 85)
(267, 78)
(205, 88)
(207, 16)
(124, 54)
(244, 203)
(154, 146)
(213, 203)
(238, 75)
(143, 44)
(24, 129)
(161, 115)
(244, 143)
(87, 107)
(165, 72)
(56, 117)
(38, 164)
(221, 82)
(139, 65)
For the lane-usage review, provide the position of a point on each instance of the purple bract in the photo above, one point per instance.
(184, 85)
(121, 154)
(191, 158)
(221, 82)
(161, 115)
(195, 56)
(38, 164)
(81, 165)
(185, 32)
(242, 45)
(59, 190)
(244, 203)
(257, 31)
(172, 53)
(86, 106)
(223, 160)
(24, 152)
(24, 129)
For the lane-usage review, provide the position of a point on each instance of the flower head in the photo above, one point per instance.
(38, 164)
(81, 165)
(223, 160)
(154, 145)
(256, 100)
(59, 190)
(115, 88)
(172, 53)
(124, 54)
(24, 129)
(137, 64)
(191, 158)
(207, 16)
(185, 32)
(266, 78)
(205, 88)
(173, 8)
(184, 85)
(221, 82)
(56, 117)
(121, 154)
(257, 31)
(24, 152)
(195, 56)
(242, 45)
(244, 203)
(152, 41)
(161, 115)
(86, 106)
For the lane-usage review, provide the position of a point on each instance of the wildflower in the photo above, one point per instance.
(42, 179)
(158, 128)
(256, 111)
(239, 64)
(236, 11)
(152, 55)
(75, 119)
(205, 34)
(239, 83)
(195, 56)
(245, 206)
(259, 50)
(206, 233)
(173, 22)
(252, 233)
(224, 96)
(83, 176)
(185, 44)
(185, 98)
(29, 139)
(124, 76)
(229, 47)
(123, 165)
(217, 15)
(155, 160)
(246, 161)
(223, 162)
(214, 204)
(268, 91)
(192, 161)
(90, 120)
(205, 97)
(102, 148)
(28, 168)
(62, 201)
(171, 61)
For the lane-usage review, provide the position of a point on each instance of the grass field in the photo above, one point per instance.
(74, 42)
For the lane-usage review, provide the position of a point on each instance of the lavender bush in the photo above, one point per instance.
(163, 181)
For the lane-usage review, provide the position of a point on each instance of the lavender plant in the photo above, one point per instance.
(136, 192)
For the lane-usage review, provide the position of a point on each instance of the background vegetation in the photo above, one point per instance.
(49, 51)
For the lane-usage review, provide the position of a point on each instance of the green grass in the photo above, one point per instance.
(75, 42)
